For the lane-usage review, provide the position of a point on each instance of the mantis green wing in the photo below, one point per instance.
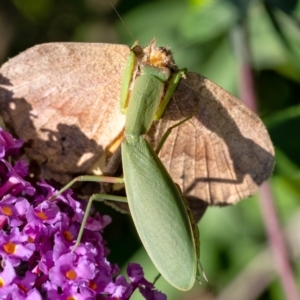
(160, 215)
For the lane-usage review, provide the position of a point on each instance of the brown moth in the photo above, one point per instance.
(63, 100)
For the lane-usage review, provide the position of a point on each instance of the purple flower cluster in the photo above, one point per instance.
(37, 236)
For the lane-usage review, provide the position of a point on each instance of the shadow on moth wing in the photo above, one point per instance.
(223, 153)
(60, 149)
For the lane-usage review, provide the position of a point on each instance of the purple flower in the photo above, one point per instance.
(37, 236)
(13, 208)
(8, 145)
(151, 294)
(7, 275)
(26, 283)
(69, 292)
(136, 275)
(14, 183)
(14, 246)
(72, 269)
(120, 289)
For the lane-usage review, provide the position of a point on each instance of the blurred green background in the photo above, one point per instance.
(203, 37)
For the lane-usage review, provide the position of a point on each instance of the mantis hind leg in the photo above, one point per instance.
(95, 197)
(99, 198)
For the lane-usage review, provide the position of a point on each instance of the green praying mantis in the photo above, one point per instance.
(219, 151)
(157, 207)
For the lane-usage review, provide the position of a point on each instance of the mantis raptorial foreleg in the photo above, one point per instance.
(168, 132)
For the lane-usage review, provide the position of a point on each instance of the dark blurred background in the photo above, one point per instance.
(205, 38)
